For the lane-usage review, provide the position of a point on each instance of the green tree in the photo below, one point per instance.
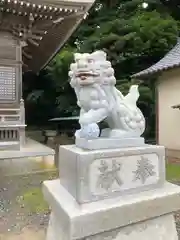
(39, 96)
(135, 43)
(58, 73)
(49, 94)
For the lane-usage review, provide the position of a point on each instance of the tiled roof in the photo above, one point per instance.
(169, 61)
(42, 26)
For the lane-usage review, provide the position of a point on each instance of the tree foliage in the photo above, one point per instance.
(49, 94)
(133, 38)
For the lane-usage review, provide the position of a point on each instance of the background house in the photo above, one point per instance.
(168, 99)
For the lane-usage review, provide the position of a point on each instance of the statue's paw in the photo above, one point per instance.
(78, 133)
(90, 131)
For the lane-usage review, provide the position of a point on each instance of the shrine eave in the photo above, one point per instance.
(170, 61)
(42, 26)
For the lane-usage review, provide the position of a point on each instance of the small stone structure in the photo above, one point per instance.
(112, 185)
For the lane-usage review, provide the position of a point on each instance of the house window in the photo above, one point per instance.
(7, 84)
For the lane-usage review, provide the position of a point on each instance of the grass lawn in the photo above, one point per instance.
(33, 201)
(173, 172)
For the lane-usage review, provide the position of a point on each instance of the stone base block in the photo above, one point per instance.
(143, 216)
(31, 149)
(99, 174)
(159, 228)
(108, 143)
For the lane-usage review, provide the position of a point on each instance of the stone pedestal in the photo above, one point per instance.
(106, 173)
(117, 194)
(103, 142)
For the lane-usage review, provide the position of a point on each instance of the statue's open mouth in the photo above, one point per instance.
(84, 75)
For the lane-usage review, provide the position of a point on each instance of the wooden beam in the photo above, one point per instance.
(16, 34)
(28, 56)
(41, 32)
(1, 17)
(58, 20)
(157, 111)
(36, 37)
(25, 65)
(16, 29)
(30, 40)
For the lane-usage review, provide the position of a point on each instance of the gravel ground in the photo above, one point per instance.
(18, 220)
(177, 218)
(19, 208)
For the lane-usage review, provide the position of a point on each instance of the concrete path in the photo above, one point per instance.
(26, 234)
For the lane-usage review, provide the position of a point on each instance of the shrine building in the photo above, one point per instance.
(31, 34)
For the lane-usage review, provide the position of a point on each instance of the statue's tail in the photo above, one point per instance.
(129, 115)
(131, 98)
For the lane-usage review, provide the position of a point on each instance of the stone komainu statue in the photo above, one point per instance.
(92, 78)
